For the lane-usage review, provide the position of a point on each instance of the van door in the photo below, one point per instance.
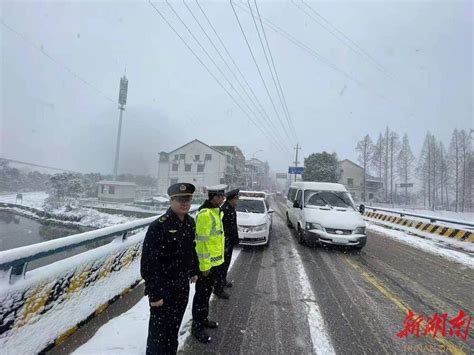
(297, 211)
(289, 203)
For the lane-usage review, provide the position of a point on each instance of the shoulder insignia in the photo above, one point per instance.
(172, 230)
(162, 219)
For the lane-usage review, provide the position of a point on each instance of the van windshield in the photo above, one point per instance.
(340, 199)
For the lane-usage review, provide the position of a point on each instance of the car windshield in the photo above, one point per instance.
(252, 206)
(324, 198)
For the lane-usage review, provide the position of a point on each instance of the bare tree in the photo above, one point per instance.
(378, 158)
(366, 151)
(425, 164)
(386, 153)
(454, 164)
(443, 171)
(406, 160)
(394, 147)
(464, 144)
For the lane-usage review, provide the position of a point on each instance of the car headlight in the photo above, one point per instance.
(359, 230)
(310, 225)
(259, 228)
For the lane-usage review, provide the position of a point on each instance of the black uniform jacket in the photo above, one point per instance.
(230, 225)
(169, 256)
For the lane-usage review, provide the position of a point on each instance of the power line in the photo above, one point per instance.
(204, 65)
(258, 69)
(334, 29)
(210, 58)
(275, 135)
(313, 53)
(55, 61)
(289, 118)
(268, 63)
(238, 69)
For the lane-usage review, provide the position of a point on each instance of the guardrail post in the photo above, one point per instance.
(17, 272)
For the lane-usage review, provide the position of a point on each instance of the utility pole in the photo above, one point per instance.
(122, 102)
(296, 157)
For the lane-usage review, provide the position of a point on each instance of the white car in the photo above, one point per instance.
(324, 213)
(254, 220)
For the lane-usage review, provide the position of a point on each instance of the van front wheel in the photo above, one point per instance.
(288, 222)
(300, 236)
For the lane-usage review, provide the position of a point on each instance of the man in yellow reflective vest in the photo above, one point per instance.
(210, 245)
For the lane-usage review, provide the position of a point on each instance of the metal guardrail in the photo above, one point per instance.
(431, 218)
(15, 261)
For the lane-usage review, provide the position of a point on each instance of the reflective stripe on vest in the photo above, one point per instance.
(202, 238)
(214, 230)
(217, 258)
(203, 256)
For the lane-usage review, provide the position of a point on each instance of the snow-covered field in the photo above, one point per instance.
(82, 216)
(127, 333)
(30, 199)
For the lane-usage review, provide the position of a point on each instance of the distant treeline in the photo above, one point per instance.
(444, 176)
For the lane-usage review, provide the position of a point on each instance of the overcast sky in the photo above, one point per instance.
(417, 75)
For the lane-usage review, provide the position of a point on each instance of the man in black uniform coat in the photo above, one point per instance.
(231, 239)
(169, 262)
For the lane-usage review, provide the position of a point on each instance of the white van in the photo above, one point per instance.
(325, 213)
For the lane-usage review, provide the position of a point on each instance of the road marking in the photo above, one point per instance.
(317, 327)
(453, 348)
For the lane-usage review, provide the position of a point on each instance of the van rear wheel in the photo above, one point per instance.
(300, 236)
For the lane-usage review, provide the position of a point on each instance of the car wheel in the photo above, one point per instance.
(300, 236)
(361, 244)
(288, 222)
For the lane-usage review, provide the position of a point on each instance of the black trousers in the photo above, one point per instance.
(204, 287)
(165, 321)
(223, 269)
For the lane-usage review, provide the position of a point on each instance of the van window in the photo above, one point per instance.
(298, 197)
(291, 194)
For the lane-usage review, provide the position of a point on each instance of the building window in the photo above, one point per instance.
(222, 181)
(111, 190)
(182, 156)
(175, 167)
(229, 159)
(200, 168)
(197, 157)
(208, 157)
(187, 167)
(176, 157)
(102, 188)
(371, 196)
(350, 182)
(173, 181)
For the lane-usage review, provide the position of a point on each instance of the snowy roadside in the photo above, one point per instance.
(86, 217)
(436, 246)
(127, 333)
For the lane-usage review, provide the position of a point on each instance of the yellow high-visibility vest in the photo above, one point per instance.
(210, 241)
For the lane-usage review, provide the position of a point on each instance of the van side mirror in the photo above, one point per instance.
(296, 204)
(361, 209)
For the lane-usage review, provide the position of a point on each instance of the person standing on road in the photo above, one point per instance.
(231, 239)
(210, 244)
(168, 263)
